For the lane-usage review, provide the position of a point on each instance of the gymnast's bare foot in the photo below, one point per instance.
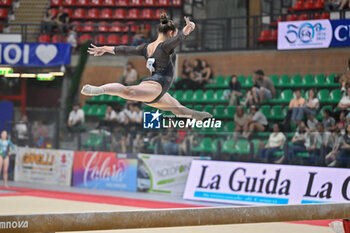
(90, 90)
(199, 116)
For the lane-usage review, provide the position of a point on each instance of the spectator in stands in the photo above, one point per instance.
(344, 103)
(72, 37)
(341, 122)
(296, 105)
(138, 144)
(274, 144)
(110, 115)
(336, 5)
(130, 76)
(340, 156)
(235, 92)
(61, 20)
(311, 106)
(141, 36)
(40, 134)
(300, 142)
(22, 131)
(207, 73)
(196, 74)
(76, 119)
(240, 119)
(321, 144)
(311, 123)
(47, 23)
(134, 114)
(344, 80)
(336, 138)
(6, 149)
(187, 79)
(328, 121)
(170, 146)
(257, 122)
(263, 89)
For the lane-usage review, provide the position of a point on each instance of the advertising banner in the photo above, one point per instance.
(35, 54)
(261, 184)
(163, 173)
(103, 170)
(44, 166)
(313, 34)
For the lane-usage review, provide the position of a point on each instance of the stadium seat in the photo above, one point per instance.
(219, 82)
(229, 127)
(122, 3)
(81, 3)
(119, 14)
(205, 145)
(264, 35)
(113, 39)
(158, 12)
(103, 26)
(135, 3)
(317, 16)
(85, 37)
(187, 96)
(319, 4)
(177, 3)
(274, 35)
(308, 80)
(330, 81)
(284, 81)
(275, 79)
(241, 79)
(88, 26)
(209, 108)
(208, 96)
(256, 145)
(96, 3)
(229, 146)
(100, 39)
(296, 80)
(292, 18)
(303, 17)
(130, 26)
(178, 95)
(44, 39)
(230, 111)
(320, 80)
(325, 15)
(198, 96)
(69, 3)
(68, 11)
(106, 14)
(78, 13)
(92, 14)
(116, 26)
(85, 108)
(78, 26)
(285, 97)
(309, 5)
(53, 11)
(58, 39)
(335, 96)
(242, 147)
(146, 14)
(3, 13)
(163, 3)
(277, 113)
(53, 3)
(299, 5)
(101, 110)
(266, 110)
(198, 107)
(133, 13)
(109, 3)
(149, 2)
(219, 111)
(320, 113)
(125, 39)
(323, 95)
(218, 97)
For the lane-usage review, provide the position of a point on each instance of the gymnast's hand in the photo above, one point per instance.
(190, 26)
(96, 51)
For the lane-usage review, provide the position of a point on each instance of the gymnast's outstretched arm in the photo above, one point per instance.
(116, 50)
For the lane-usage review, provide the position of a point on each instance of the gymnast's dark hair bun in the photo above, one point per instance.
(166, 24)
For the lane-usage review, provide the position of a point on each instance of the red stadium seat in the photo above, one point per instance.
(299, 5)
(106, 14)
(325, 15)
(274, 35)
(303, 17)
(309, 5)
(149, 2)
(124, 40)
(113, 39)
(68, 3)
(77, 25)
(96, 3)
(88, 26)
(265, 35)
(103, 26)
(116, 27)
(133, 13)
(100, 39)
(157, 13)
(82, 2)
(55, 2)
(146, 14)
(122, 3)
(1, 27)
(69, 12)
(177, 3)
(44, 39)
(292, 18)
(84, 38)
(317, 16)
(119, 14)
(135, 3)
(109, 3)
(130, 25)
(92, 14)
(319, 4)
(3, 13)
(163, 3)
(147, 26)
(58, 39)
(79, 13)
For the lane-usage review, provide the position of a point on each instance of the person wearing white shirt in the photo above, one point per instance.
(274, 144)
(110, 115)
(344, 103)
(21, 129)
(76, 118)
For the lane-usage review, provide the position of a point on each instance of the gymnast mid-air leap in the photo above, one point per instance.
(161, 57)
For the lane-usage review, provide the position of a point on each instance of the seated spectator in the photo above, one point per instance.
(130, 75)
(196, 74)
(341, 156)
(76, 119)
(328, 122)
(6, 150)
(134, 114)
(40, 134)
(61, 20)
(311, 123)
(257, 122)
(344, 80)
(21, 129)
(141, 36)
(207, 73)
(321, 144)
(341, 123)
(336, 138)
(263, 89)
(300, 143)
(138, 144)
(186, 81)
(240, 119)
(334, 5)
(171, 145)
(311, 106)
(296, 105)
(110, 115)
(274, 144)
(235, 92)
(47, 23)
(344, 103)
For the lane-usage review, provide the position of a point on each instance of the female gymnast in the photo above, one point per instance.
(161, 57)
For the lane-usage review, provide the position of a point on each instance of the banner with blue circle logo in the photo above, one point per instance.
(35, 54)
(313, 34)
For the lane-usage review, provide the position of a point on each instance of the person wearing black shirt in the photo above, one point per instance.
(61, 20)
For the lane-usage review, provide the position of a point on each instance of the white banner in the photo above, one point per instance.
(163, 173)
(261, 184)
(44, 166)
(304, 34)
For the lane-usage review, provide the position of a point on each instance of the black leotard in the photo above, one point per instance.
(161, 63)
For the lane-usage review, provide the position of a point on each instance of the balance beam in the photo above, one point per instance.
(54, 222)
